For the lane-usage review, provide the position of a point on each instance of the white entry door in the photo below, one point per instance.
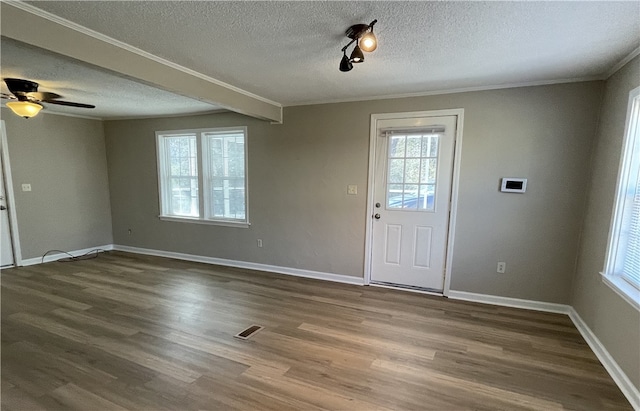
(412, 194)
(6, 248)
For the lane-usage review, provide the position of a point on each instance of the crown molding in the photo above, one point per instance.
(622, 63)
(452, 91)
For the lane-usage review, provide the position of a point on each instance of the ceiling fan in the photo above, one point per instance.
(29, 99)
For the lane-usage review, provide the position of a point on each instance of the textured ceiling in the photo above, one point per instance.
(113, 96)
(289, 51)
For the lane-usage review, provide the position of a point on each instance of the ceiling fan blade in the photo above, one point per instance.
(17, 85)
(8, 96)
(43, 95)
(68, 103)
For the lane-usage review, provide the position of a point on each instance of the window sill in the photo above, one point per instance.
(205, 222)
(625, 290)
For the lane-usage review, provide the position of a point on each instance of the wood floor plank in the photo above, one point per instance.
(126, 331)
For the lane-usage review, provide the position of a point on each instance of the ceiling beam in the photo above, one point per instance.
(25, 23)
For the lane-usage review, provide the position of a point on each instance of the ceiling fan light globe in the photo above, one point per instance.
(26, 109)
(368, 42)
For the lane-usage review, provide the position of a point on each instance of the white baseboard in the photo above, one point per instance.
(509, 302)
(244, 264)
(56, 256)
(617, 374)
(626, 386)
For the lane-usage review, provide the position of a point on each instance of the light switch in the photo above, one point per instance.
(352, 189)
(26, 187)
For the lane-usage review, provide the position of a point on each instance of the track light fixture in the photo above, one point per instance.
(362, 35)
(345, 63)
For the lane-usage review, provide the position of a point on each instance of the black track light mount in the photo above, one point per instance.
(362, 35)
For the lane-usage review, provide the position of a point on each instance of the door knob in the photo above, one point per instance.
(377, 216)
(2, 207)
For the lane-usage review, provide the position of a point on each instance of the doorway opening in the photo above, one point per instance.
(414, 161)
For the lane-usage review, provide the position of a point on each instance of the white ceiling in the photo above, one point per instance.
(289, 52)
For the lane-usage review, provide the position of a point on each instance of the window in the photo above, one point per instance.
(202, 175)
(412, 165)
(622, 270)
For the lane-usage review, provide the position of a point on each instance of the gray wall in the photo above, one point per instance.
(64, 160)
(299, 172)
(612, 319)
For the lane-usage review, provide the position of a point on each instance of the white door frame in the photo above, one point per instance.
(11, 201)
(457, 156)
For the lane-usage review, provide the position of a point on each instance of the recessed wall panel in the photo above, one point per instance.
(393, 240)
(422, 247)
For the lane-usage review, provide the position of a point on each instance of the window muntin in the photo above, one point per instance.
(202, 175)
(412, 165)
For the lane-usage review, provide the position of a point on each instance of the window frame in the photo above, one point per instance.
(204, 194)
(628, 291)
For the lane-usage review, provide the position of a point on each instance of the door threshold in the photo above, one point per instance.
(410, 288)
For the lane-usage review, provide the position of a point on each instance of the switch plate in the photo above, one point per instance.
(26, 187)
(502, 267)
(352, 189)
(259, 243)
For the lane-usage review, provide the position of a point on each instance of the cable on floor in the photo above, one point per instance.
(89, 255)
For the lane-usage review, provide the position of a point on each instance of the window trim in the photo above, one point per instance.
(614, 280)
(204, 217)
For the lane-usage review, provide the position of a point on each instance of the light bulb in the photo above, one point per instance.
(368, 42)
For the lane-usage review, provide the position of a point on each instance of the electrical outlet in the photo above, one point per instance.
(352, 189)
(502, 267)
(26, 187)
(259, 243)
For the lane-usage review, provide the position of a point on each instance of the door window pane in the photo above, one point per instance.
(412, 171)
(396, 146)
(396, 170)
(430, 145)
(414, 145)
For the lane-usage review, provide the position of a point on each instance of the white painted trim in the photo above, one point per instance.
(623, 288)
(57, 256)
(455, 183)
(622, 63)
(453, 207)
(510, 302)
(450, 91)
(99, 36)
(221, 223)
(139, 117)
(317, 275)
(368, 240)
(11, 199)
(609, 363)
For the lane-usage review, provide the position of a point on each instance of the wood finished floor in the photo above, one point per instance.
(133, 332)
